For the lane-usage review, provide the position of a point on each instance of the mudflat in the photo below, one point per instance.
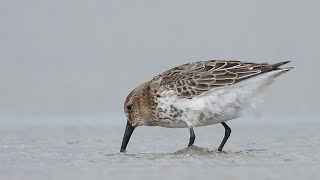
(87, 147)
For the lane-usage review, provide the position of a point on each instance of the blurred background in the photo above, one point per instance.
(66, 67)
(80, 57)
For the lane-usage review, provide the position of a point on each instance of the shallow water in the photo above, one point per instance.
(87, 147)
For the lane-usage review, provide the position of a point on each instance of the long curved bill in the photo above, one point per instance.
(126, 136)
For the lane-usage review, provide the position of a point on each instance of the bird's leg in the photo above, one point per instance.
(226, 135)
(192, 136)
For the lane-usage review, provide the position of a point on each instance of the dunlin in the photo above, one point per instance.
(198, 94)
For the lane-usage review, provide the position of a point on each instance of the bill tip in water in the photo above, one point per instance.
(122, 151)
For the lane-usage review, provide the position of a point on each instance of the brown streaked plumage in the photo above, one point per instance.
(188, 81)
(140, 100)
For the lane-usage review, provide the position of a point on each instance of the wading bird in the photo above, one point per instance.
(198, 94)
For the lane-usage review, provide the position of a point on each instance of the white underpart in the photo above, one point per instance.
(218, 105)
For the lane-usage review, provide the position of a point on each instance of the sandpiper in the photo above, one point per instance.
(198, 94)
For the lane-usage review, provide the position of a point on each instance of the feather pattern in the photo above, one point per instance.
(193, 79)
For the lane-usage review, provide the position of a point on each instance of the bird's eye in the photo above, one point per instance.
(129, 108)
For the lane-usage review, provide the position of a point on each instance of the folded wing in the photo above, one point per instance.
(193, 79)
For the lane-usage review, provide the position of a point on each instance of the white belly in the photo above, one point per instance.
(216, 106)
(199, 111)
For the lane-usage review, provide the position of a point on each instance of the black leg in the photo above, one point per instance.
(192, 136)
(226, 135)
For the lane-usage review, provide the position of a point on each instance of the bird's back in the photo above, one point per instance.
(210, 92)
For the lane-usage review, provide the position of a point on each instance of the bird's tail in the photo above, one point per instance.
(276, 68)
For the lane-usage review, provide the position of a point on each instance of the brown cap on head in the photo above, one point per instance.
(138, 106)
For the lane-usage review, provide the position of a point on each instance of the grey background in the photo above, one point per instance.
(85, 56)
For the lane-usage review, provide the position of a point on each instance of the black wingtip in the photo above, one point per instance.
(288, 68)
(274, 66)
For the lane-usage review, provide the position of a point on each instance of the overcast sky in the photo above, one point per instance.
(75, 56)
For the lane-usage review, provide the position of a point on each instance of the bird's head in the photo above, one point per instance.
(138, 109)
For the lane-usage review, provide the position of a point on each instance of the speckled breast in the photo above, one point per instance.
(170, 116)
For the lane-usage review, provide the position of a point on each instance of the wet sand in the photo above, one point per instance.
(87, 147)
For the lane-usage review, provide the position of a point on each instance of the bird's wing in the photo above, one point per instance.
(195, 78)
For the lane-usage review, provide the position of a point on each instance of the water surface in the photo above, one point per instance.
(87, 147)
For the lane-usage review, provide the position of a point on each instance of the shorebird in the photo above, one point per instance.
(198, 94)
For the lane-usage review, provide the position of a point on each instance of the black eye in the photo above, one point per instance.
(129, 108)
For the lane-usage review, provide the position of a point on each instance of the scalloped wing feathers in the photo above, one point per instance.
(196, 78)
